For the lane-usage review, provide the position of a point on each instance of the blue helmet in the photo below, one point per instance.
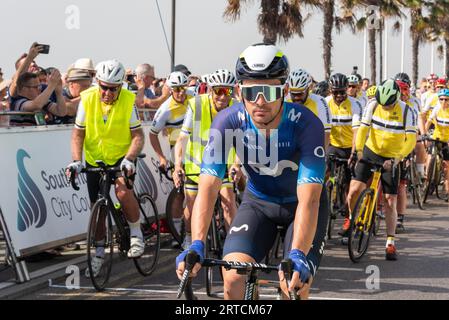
(443, 92)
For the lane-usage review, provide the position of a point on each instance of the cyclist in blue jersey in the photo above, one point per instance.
(281, 147)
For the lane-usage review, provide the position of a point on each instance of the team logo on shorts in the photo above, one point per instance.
(237, 229)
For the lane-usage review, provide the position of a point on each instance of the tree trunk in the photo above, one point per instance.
(328, 11)
(415, 14)
(267, 18)
(446, 53)
(415, 60)
(381, 53)
(372, 53)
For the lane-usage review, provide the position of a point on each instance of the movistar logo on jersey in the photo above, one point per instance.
(277, 170)
(145, 181)
(32, 210)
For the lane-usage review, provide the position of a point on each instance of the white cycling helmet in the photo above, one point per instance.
(110, 71)
(222, 78)
(353, 79)
(205, 78)
(299, 79)
(177, 79)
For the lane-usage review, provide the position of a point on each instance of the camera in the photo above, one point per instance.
(130, 78)
(45, 48)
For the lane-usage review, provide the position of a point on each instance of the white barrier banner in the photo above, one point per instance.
(39, 206)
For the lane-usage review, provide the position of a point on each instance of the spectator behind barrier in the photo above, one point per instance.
(30, 99)
(78, 80)
(146, 97)
(4, 101)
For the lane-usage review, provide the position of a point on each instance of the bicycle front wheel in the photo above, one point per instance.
(361, 231)
(332, 199)
(149, 223)
(175, 210)
(417, 185)
(100, 245)
(429, 185)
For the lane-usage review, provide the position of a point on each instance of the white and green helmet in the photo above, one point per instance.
(388, 93)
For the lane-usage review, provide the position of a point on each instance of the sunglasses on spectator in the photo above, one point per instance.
(179, 89)
(352, 86)
(444, 99)
(223, 91)
(339, 92)
(106, 88)
(269, 93)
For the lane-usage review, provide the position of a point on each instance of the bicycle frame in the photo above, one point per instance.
(366, 218)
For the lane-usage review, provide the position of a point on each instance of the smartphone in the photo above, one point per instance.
(45, 48)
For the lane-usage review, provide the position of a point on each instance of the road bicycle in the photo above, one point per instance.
(435, 173)
(109, 229)
(364, 215)
(249, 269)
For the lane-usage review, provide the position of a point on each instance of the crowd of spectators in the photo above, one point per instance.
(38, 95)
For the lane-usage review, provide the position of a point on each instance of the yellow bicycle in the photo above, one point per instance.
(364, 217)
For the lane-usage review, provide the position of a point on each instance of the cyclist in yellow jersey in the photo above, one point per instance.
(432, 99)
(431, 81)
(354, 89)
(108, 127)
(387, 131)
(371, 92)
(190, 145)
(403, 81)
(170, 115)
(346, 113)
(299, 82)
(440, 118)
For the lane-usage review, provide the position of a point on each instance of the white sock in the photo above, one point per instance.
(99, 250)
(420, 168)
(390, 240)
(177, 222)
(134, 228)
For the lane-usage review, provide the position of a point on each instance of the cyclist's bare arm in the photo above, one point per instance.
(154, 140)
(305, 224)
(180, 149)
(77, 143)
(306, 217)
(208, 189)
(137, 142)
(354, 140)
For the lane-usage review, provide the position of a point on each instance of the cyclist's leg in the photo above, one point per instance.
(316, 251)
(250, 238)
(93, 187)
(390, 189)
(420, 152)
(191, 191)
(402, 194)
(228, 202)
(446, 167)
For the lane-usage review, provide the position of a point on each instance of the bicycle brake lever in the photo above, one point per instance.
(191, 259)
(286, 267)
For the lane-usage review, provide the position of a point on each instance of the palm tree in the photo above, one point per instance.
(275, 20)
(284, 21)
(387, 8)
(438, 26)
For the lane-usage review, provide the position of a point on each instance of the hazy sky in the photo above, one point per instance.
(131, 31)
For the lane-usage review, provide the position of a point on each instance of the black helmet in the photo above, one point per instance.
(338, 81)
(402, 76)
(322, 89)
(262, 61)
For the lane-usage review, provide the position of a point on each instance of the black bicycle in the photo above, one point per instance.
(336, 187)
(249, 269)
(435, 173)
(103, 234)
(415, 181)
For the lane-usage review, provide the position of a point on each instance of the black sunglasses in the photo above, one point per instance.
(339, 92)
(106, 88)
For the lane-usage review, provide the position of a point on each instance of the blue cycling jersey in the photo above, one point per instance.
(291, 155)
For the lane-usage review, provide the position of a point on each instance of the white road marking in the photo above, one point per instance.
(273, 296)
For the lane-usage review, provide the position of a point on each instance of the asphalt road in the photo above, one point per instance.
(421, 272)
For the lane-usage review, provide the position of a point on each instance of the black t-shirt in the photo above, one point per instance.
(16, 105)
